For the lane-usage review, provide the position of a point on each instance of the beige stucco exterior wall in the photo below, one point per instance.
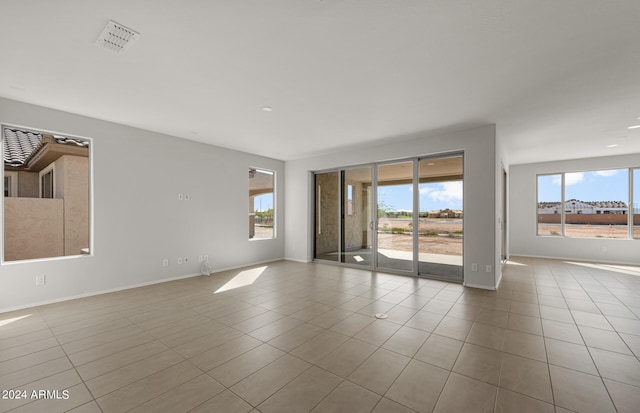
(356, 224)
(33, 228)
(41, 228)
(28, 184)
(72, 184)
(327, 239)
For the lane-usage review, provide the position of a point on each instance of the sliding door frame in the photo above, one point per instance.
(374, 266)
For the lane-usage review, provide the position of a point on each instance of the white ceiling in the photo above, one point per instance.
(561, 79)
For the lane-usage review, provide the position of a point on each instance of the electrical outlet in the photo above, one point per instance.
(180, 197)
(165, 262)
(186, 260)
(488, 268)
(187, 197)
(179, 261)
(41, 280)
(604, 249)
(206, 258)
(474, 267)
(199, 258)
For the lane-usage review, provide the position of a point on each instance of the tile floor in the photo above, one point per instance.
(289, 337)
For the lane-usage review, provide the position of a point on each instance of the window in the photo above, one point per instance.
(597, 204)
(10, 184)
(636, 203)
(46, 211)
(549, 205)
(46, 182)
(261, 204)
(349, 199)
(589, 204)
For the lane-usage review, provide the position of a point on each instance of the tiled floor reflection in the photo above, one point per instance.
(557, 336)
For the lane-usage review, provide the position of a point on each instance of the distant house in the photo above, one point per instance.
(574, 206)
(445, 213)
(46, 190)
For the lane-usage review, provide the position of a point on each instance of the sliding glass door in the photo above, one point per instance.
(357, 219)
(440, 232)
(395, 216)
(403, 216)
(327, 245)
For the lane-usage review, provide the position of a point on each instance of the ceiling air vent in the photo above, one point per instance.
(117, 37)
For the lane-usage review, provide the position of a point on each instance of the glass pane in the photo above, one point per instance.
(357, 231)
(327, 216)
(261, 204)
(41, 223)
(440, 232)
(636, 203)
(596, 204)
(47, 185)
(549, 204)
(395, 216)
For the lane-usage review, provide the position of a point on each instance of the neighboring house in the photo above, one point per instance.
(445, 213)
(46, 189)
(574, 206)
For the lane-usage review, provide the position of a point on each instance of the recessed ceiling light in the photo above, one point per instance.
(267, 108)
(634, 127)
(612, 145)
(430, 164)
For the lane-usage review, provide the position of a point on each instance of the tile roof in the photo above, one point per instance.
(19, 145)
(595, 204)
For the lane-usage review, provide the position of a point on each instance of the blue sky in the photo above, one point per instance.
(432, 196)
(263, 202)
(610, 185)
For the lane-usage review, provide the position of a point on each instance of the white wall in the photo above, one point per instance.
(522, 207)
(138, 219)
(478, 145)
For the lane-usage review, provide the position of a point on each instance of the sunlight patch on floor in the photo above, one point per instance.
(519, 264)
(622, 269)
(244, 278)
(12, 320)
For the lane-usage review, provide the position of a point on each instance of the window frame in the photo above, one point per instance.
(634, 201)
(51, 169)
(251, 211)
(90, 178)
(12, 178)
(561, 204)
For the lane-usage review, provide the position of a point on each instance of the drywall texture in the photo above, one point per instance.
(137, 218)
(33, 228)
(478, 145)
(522, 212)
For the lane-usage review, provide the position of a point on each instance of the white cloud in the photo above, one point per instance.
(569, 178)
(448, 192)
(605, 173)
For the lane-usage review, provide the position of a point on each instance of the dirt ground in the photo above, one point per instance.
(589, 231)
(263, 232)
(442, 238)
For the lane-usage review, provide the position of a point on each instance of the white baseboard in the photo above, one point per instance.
(128, 287)
(481, 287)
(91, 294)
(296, 260)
